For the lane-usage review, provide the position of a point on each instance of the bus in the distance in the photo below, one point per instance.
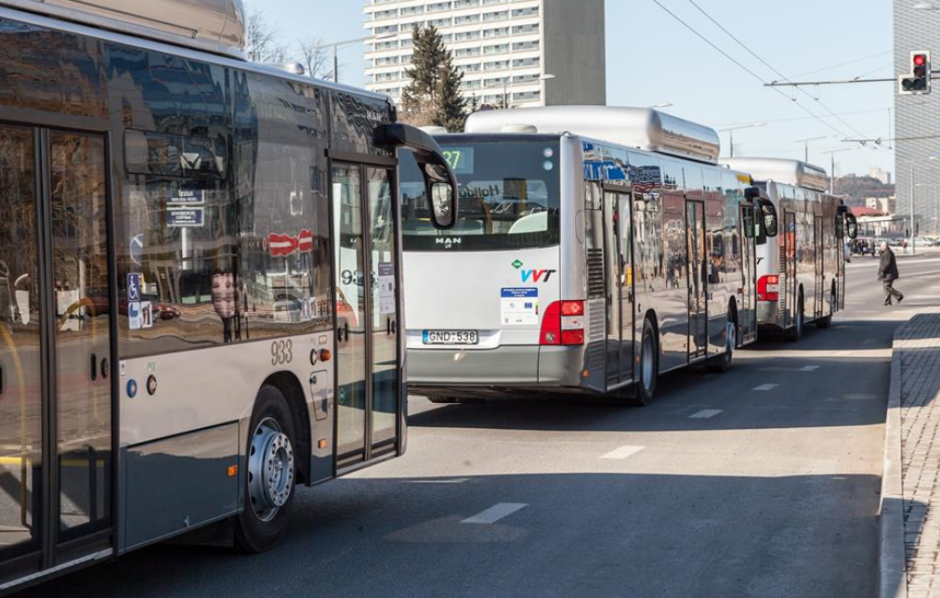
(175, 352)
(597, 249)
(801, 278)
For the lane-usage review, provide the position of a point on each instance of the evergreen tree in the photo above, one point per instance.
(433, 95)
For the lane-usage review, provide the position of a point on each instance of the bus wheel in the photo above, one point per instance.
(649, 367)
(796, 333)
(722, 363)
(827, 321)
(270, 476)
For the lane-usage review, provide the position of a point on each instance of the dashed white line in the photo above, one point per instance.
(706, 414)
(624, 452)
(843, 353)
(766, 387)
(495, 513)
(810, 368)
(441, 482)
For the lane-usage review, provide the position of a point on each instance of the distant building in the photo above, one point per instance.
(882, 175)
(888, 205)
(506, 49)
(916, 118)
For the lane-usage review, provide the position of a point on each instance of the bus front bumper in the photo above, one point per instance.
(507, 367)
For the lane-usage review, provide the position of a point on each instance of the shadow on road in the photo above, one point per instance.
(592, 535)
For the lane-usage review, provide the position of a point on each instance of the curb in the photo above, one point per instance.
(892, 571)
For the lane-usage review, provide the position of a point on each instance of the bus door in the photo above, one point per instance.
(819, 242)
(369, 398)
(618, 204)
(789, 269)
(57, 378)
(747, 317)
(698, 280)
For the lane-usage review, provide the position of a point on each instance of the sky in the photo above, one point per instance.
(654, 59)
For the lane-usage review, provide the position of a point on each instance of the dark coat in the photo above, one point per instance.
(888, 267)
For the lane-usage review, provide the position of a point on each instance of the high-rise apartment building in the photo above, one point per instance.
(917, 117)
(515, 52)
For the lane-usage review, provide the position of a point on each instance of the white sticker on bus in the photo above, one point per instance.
(520, 307)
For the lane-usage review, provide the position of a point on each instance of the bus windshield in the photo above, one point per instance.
(509, 198)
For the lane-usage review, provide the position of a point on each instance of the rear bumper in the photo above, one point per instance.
(768, 314)
(507, 367)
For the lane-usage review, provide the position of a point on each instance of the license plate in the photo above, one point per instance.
(451, 337)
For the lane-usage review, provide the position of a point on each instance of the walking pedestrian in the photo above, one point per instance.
(888, 274)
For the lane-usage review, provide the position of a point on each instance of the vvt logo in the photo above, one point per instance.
(537, 275)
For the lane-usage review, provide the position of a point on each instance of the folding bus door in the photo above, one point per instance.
(618, 204)
(57, 385)
(698, 280)
(370, 398)
(819, 242)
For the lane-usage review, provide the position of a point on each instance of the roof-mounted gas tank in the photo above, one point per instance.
(779, 170)
(641, 128)
(216, 26)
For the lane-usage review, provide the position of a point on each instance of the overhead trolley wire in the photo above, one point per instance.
(770, 66)
(742, 65)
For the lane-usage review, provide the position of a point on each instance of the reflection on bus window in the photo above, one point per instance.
(500, 207)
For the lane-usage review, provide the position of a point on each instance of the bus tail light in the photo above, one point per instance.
(768, 288)
(563, 324)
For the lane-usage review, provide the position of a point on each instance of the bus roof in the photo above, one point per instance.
(130, 39)
(788, 172)
(640, 128)
(216, 26)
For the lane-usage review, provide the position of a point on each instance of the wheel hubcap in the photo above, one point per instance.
(270, 470)
(648, 361)
(732, 335)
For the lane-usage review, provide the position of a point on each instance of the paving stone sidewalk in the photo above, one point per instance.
(918, 344)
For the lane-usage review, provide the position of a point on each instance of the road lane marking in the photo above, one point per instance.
(624, 452)
(766, 387)
(441, 482)
(495, 513)
(705, 414)
(810, 368)
(843, 353)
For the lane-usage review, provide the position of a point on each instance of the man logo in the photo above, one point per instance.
(449, 242)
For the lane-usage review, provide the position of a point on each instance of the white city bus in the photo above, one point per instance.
(168, 292)
(579, 265)
(801, 278)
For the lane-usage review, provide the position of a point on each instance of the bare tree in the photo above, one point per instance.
(315, 57)
(262, 40)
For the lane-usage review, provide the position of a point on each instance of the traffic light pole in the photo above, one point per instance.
(913, 193)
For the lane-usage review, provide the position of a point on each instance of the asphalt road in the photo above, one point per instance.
(760, 482)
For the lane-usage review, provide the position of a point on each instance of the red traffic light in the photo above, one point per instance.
(920, 60)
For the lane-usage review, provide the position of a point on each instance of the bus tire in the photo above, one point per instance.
(649, 367)
(826, 322)
(796, 332)
(271, 475)
(722, 363)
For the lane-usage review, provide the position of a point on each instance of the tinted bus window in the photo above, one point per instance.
(509, 199)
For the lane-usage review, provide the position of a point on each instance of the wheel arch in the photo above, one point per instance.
(289, 386)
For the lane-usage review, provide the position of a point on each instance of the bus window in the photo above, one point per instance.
(509, 198)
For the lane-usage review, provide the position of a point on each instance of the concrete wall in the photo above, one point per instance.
(575, 52)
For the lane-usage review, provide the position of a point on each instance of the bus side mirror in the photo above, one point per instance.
(851, 226)
(769, 220)
(439, 179)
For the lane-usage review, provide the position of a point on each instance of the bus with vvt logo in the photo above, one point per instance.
(598, 248)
